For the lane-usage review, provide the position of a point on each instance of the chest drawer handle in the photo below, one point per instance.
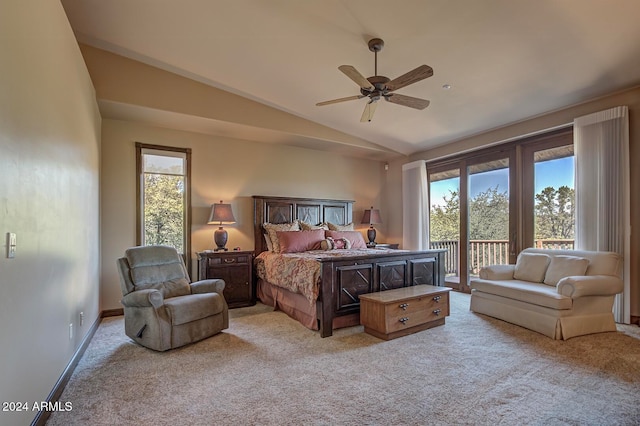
(404, 306)
(437, 298)
(404, 320)
(437, 312)
(230, 260)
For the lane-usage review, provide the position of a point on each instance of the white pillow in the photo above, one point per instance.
(531, 267)
(565, 266)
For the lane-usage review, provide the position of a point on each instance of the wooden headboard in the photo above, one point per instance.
(286, 209)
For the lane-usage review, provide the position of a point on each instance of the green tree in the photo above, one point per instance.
(164, 210)
(445, 219)
(489, 215)
(555, 213)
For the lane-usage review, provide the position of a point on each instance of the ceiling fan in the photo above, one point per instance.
(378, 86)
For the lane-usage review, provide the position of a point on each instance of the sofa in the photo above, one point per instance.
(558, 293)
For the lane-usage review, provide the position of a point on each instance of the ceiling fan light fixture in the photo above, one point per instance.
(378, 86)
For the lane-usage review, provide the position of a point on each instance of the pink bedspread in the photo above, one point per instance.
(300, 272)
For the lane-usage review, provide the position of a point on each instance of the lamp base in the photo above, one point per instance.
(220, 238)
(371, 235)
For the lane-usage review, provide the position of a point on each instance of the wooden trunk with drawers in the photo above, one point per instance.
(395, 313)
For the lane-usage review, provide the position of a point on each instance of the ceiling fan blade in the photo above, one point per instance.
(420, 73)
(335, 101)
(354, 75)
(408, 101)
(369, 110)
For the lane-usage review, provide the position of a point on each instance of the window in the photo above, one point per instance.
(163, 193)
(549, 194)
(487, 206)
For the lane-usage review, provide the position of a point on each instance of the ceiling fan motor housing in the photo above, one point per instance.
(379, 82)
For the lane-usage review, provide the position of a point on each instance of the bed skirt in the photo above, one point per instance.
(297, 306)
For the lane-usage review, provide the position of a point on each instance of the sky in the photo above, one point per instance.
(553, 173)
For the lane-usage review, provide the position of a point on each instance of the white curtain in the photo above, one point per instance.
(601, 145)
(415, 206)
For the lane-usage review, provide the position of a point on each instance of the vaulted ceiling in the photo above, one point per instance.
(504, 60)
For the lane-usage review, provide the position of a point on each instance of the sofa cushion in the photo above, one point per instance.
(600, 262)
(524, 291)
(531, 267)
(565, 266)
(184, 309)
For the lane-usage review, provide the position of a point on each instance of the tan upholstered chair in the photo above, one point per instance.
(162, 308)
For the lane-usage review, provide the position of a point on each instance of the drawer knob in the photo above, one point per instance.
(229, 260)
(437, 298)
(437, 312)
(404, 320)
(404, 306)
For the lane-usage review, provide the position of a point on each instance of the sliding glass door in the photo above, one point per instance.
(488, 214)
(444, 220)
(549, 196)
(488, 206)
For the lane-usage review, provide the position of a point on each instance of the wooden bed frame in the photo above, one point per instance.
(344, 279)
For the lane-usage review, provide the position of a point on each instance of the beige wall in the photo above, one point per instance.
(123, 81)
(630, 97)
(49, 195)
(223, 169)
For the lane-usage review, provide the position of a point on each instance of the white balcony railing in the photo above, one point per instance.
(488, 252)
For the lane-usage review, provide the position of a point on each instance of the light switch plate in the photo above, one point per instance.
(11, 245)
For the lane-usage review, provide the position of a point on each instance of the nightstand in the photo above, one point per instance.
(236, 269)
(384, 246)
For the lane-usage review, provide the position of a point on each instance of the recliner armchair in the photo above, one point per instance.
(162, 308)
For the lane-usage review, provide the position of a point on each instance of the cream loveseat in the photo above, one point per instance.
(559, 293)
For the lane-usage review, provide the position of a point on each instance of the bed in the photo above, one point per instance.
(336, 277)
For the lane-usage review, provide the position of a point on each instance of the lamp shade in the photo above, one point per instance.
(221, 214)
(371, 216)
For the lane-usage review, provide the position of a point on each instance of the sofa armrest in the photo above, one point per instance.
(208, 286)
(590, 285)
(497, 272)
(143, 299)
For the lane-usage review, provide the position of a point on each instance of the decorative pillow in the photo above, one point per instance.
(272, 228)
(531, 267)
(355, 237)
(267, 241)
(297, 241)
(331, 244)
(308, 227)
(565, 266)
(334, 227)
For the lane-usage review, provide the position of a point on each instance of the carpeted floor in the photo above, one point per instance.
(267, 369)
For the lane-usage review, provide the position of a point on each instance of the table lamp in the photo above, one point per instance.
(371, 217)
(221, 214)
